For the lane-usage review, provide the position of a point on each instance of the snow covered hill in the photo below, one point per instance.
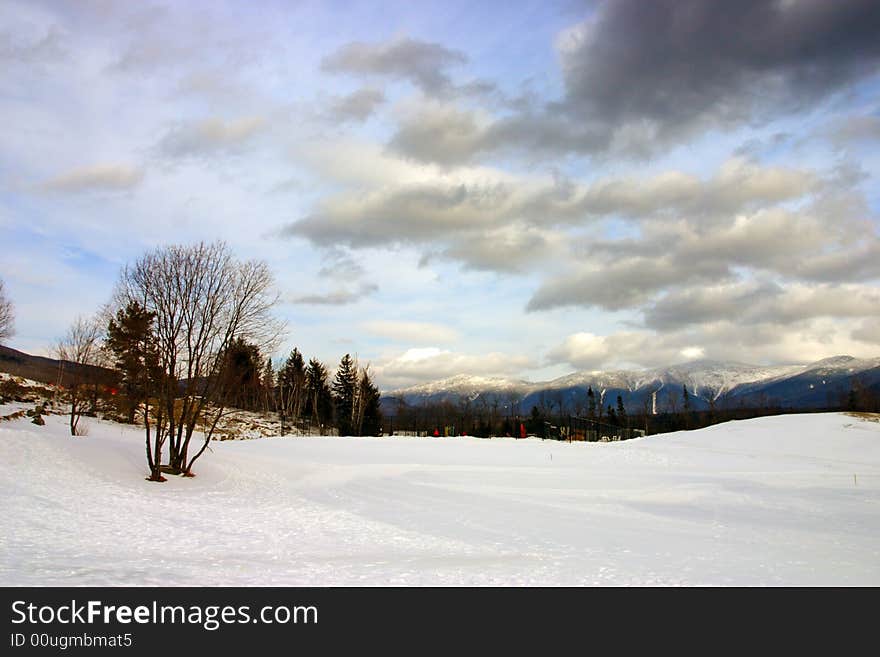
(707, 381)
(785, 500)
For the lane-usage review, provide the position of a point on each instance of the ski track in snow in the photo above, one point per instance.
(786, 500)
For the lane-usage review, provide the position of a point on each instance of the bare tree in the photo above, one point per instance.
(7, 316)
(203, 300)
(80, 348)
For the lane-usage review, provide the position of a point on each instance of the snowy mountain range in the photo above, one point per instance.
(821, 384)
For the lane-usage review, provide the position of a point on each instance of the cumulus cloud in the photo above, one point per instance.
(755, 303)
(512, 248)
(435, 205)
(412, 213)
(32, 47)
(440, 133)
(855, 130)
(338, 297)
(103, 177)
(340, 265)
(210, 136)
(423, 63)
(739, 184)
(623, 283)
(868, 331)
(411, 332)
(859, 262)
(766, 343)
(794, 244)
(358, 105)
(422, 364)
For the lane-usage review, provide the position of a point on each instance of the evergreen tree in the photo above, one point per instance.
(292, 385)
(535, 423)
(240, 375)
(621, 412)
(591, 402)
(320, 400)
(268, 386)
(368, 402)
(131, 341)
(685, 405)
(344, 388)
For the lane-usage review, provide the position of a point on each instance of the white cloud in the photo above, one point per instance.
(422, 364)
(210, 136)
(102, 177)
(412, 332)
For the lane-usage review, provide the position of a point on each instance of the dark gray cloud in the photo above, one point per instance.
(358, 105)
(640, 76)
(677, 63)
(424, 64)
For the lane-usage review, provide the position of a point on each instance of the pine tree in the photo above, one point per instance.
(344, 388)
(267, 383)
(240, 375)
(621, 412)
(131, 341)
(685, 405)
(370, 411)
(320, 400)
(292, 385)
(591, 402)
(535, 423)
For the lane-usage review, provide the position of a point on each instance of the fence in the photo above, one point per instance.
(571, 428)
(589, 430)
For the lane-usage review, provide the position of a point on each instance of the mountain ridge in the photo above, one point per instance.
(708, 382)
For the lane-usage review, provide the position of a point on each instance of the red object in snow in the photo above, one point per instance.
(522, 430)
(436, 433)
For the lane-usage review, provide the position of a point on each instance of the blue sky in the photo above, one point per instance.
(518, 189)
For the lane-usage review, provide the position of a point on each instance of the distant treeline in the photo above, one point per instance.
(484, 418)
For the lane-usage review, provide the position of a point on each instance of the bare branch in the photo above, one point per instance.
(7, 314)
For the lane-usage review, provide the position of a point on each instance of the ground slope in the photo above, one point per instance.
(778, 500)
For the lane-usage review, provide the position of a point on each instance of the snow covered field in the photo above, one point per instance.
(780, 500)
